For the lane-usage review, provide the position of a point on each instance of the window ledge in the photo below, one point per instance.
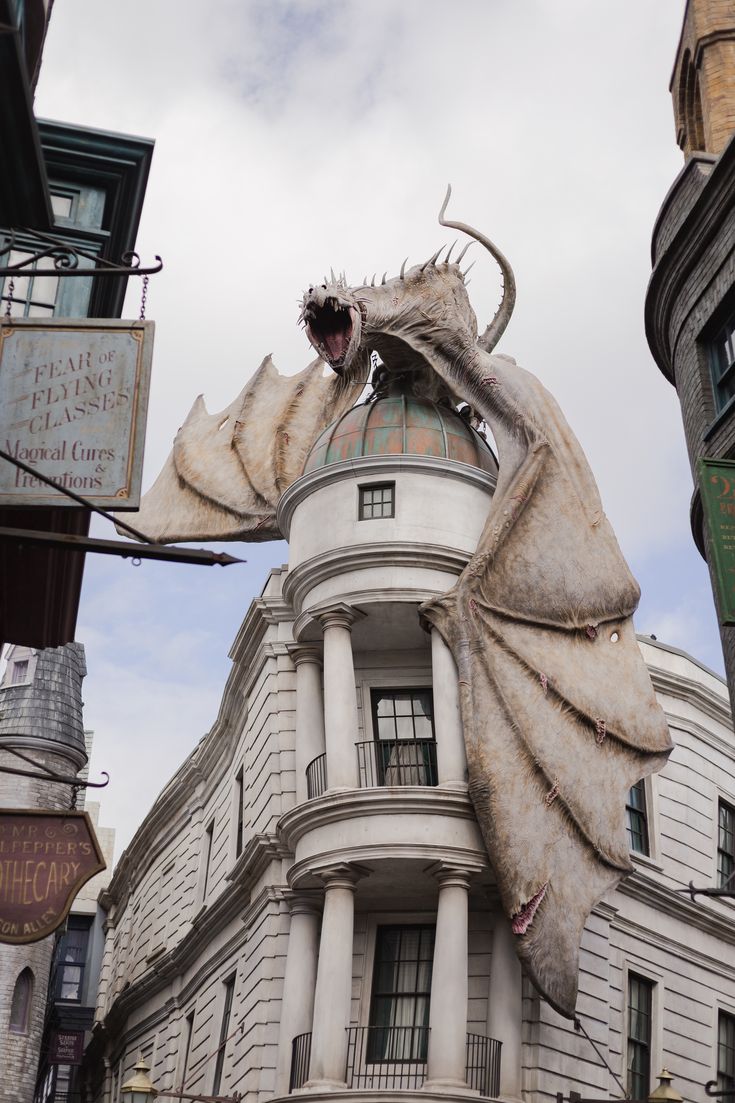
(720, 418)
(646, 861)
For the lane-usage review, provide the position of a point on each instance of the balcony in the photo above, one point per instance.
(382, 763)
(394, 1058)
(396, 762)
(316, 777)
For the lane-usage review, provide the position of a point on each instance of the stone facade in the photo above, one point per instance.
(691, 296)
(41, 714)
(247, 915)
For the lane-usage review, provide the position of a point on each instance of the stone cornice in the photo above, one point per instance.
(209, 921)
(257, 855)
(694, 693)
(388, 553)
(701, 223)
(364, 466)
(337, 807)
(644, 888)
(202, 771)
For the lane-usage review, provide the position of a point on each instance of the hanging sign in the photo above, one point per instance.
(66, 1047)
(45, 858)
(717, 484)
(73, 404)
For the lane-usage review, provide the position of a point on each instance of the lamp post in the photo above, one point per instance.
(664, 1093)
(140, 1089)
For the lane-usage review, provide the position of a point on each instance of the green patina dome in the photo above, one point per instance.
(401, 425)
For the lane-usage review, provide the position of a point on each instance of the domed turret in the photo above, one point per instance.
(401, 424)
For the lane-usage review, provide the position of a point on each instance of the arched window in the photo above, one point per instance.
(690, 119)
(20, 1008)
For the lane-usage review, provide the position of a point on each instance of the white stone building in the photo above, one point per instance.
(308, 907)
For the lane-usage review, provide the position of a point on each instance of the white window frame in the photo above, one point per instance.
(373, 921)
(652, 860)
(656, 977)
(722, 1003)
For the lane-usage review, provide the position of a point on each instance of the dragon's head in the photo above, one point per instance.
(402, 318)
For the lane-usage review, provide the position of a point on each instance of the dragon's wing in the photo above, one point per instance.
(558, 711)
(226, 472)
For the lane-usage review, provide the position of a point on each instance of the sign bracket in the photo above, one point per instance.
(149, 549)
(46, 774)
(65, 257)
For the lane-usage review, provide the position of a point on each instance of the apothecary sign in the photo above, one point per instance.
(45, 858)
(73, 404)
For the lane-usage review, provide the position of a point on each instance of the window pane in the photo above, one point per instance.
(640, 994)
(399, 1010)
(726, 1051)
(725, 845)
(61, 205)
(45, 289)
(636, 819)
(376, 501)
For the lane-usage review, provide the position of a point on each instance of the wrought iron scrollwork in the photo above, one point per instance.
(64, 258)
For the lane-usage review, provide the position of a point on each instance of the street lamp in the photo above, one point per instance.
(140, 1089)
(664, 1093)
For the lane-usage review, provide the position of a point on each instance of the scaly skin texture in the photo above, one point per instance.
(559, 715)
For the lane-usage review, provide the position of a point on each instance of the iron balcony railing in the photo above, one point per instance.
(482, 1070)
(386, 1056)
(316, 777)
(394, 1057)
(397, 762)
(300, 1058)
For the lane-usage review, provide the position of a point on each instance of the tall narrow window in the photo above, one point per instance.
(726, 1051)
(399, 1010)
(224, 1031)
(20, 672)
(70, 960)
(20, 1007)
(640, 1001)
(725, 845)
(722, 359)
(189, 1030)
(637, 818)
(208, 837)
(403, 730)
(239, 813)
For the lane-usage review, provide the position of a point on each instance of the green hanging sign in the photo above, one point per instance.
(717, 485)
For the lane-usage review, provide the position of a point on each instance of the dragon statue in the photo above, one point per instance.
(559, 714)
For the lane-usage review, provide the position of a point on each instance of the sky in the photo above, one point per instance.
(297, 135)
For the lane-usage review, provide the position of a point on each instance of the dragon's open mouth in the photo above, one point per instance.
(330, 327)
(521, 921)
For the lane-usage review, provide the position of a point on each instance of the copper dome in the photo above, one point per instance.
(401, 425)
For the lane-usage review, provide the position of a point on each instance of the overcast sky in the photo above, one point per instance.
(295, 136)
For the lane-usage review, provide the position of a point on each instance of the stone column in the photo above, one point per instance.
(449, 987)
(340, 698)
(297, 1003)
(309, 713)
(505, 1006)
(333, 991)
(451, 760)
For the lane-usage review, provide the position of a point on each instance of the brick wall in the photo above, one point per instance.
(703, 84)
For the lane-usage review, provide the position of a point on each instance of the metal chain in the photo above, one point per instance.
(143, 297)
(10, 289)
